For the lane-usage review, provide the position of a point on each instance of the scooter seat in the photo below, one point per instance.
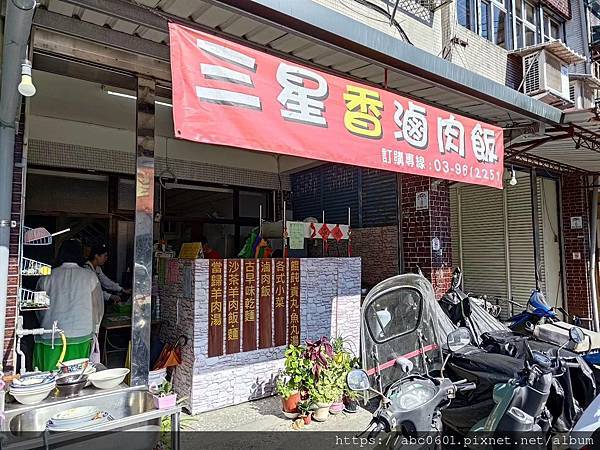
(558, 333)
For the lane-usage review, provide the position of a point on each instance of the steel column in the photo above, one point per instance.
(536, 227)
(593, 265)
(144, 232)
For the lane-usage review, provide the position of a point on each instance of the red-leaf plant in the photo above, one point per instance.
(318, 352)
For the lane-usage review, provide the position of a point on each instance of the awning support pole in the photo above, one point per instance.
(593, 274)
(536, 227)
(141, 318)
(19, 15)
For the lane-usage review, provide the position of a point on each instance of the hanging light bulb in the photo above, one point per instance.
(513, 178)
(26, 87)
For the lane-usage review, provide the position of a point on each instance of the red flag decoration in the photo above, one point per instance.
(337, 233)
(225, 93)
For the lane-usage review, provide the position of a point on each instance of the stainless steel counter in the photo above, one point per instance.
(130, 408)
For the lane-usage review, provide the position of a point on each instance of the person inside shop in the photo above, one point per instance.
(111, 290)
(76, 305)
(208, 251)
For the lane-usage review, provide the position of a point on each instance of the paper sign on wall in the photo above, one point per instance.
(296, 231)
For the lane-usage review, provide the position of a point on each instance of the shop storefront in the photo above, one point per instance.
(208, 152)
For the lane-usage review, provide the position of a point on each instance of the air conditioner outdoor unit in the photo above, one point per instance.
(544, 75)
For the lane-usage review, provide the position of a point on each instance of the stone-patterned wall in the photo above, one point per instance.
(329, 305)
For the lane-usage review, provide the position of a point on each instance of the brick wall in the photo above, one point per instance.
(561, 7)
(378, 250)
(13, 259)
(419, 228)
(576, 243)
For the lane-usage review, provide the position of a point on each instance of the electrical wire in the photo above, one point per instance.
(381, 11)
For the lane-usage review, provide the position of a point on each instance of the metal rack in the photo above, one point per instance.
(33, 268)
(33, 300)
(39, 236)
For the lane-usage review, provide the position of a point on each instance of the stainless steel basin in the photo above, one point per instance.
(119, 404)
(135, 424)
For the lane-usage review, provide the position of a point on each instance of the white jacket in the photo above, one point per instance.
(75, 301)
(107, 284)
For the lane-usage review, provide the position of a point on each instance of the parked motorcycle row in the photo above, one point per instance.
(450, 373)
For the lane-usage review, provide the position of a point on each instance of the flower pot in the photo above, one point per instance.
(321, 414)
(290, 404)
(290, 415)
(165, 402)
(336, 407)
(351, 406)
(307, 419)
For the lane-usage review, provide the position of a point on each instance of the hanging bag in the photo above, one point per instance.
(95, 354)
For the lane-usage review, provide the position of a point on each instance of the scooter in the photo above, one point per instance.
(409, 411)
(520, 404)
(541, 321)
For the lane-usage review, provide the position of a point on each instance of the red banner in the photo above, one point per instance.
(229, 94)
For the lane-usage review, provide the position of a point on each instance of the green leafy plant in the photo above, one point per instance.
(165, 389)
(297, 367)
(305, 406)
(284, 387)
(327, 388)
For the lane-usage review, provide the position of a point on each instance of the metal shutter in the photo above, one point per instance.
(520, 238)
(379, 198)
(481, 240)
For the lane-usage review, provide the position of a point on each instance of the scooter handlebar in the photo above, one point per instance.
(463, 387)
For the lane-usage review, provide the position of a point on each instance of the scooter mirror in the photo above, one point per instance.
(459, 339)
(358, 380)
(576, 335)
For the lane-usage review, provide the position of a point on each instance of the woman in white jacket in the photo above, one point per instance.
(75, 303)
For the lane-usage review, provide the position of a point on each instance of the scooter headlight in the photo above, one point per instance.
(414, 394)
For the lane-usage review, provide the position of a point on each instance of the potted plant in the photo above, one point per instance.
(298, 369)
(305, 407)
(342, 363)
(351, 401)
(163, 395)
(324, 392)
(290, 396)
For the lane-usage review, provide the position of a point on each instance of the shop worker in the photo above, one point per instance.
(96, 260)
(75, 304)
(208, 251)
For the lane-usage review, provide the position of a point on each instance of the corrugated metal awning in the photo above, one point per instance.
(557, 48)
(306, 31)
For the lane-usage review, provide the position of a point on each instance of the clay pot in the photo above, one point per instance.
(321, 414)
(290, 404)
(307, 419)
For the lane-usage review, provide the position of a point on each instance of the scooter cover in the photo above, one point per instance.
(400, 320)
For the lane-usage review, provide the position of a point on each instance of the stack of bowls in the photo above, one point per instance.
(70, 385)
(33, 389)
(75, 418)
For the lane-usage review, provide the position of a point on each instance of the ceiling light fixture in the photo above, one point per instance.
(132, 97)
(513, 178)
(26, 87)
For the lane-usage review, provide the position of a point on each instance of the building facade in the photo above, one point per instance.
(520, 66)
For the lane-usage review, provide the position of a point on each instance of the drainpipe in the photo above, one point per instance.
(593, 233)
(17, 27)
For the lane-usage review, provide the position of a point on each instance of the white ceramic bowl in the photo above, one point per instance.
(74, 365)
(32, 398)
(108, 379)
